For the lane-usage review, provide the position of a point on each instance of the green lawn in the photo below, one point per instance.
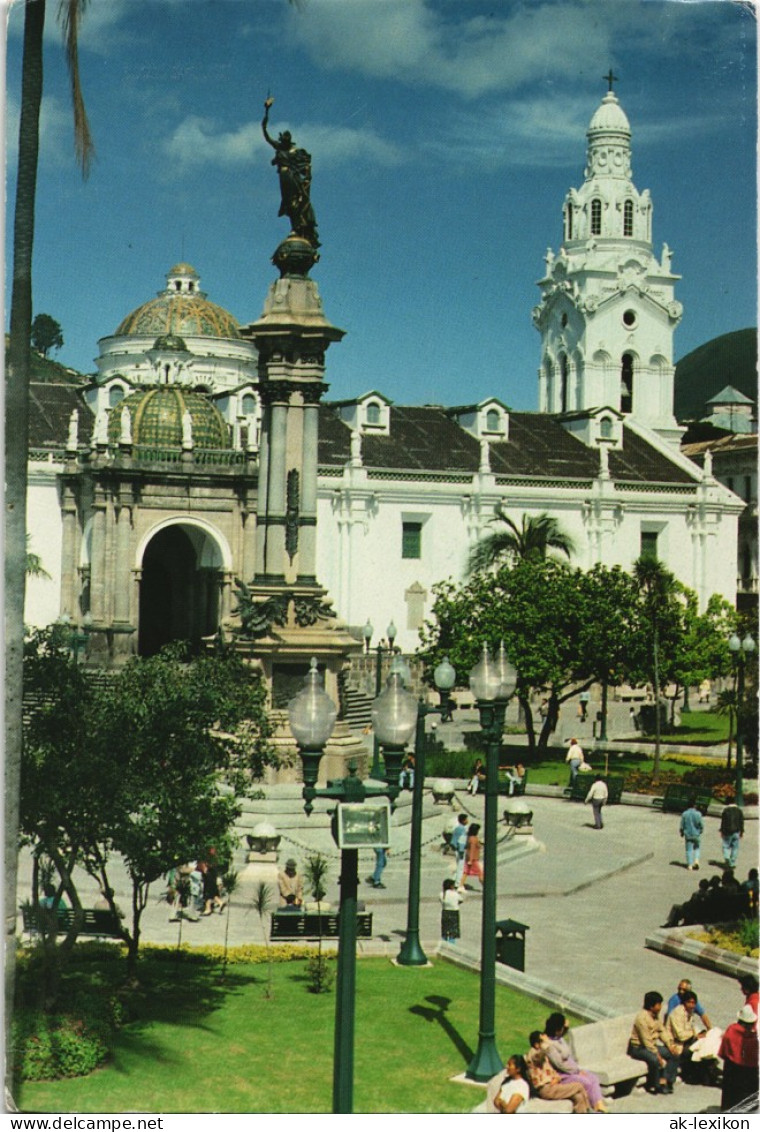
(198, 1045)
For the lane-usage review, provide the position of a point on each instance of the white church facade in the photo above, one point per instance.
(143, 496)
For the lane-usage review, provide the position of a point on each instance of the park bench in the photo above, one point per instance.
(97, 921)
(504, 784)
(601, 1048)
(677, 797)
(312, 925)
(582, 783)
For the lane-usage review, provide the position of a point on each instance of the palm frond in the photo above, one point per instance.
(70, 13)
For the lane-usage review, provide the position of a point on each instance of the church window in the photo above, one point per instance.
(115, 394)
(626, 384)
(249, 404)
(629, 318)
(492, 420)
(563, 320)
(373, 413)
(605, 428)
(569, 221)
(649, 544)
(628, 218)
(596, 217)
(411, 540)
(563, 382)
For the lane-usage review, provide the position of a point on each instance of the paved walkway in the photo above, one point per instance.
(589, 898)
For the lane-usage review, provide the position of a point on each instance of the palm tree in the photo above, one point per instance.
(534, 538)
(263, 902)
(316, 875)
(230, 883)
(657, 587)
(17, 413)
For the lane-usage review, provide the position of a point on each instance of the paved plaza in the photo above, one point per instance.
(589, 898)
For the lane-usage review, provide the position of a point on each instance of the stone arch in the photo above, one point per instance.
(181, 562)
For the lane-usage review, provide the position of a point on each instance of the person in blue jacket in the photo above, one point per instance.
(691, 830)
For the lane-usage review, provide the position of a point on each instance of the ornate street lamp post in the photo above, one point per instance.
(492, 683)
(356, 824)
(740, 652)
(380, 650)
(411, 953)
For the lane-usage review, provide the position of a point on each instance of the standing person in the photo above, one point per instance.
(575, 757)
(472, 864)
(451, 900)
(560, 1055)
(597, 796)
(546, 1080)
(459, 845)
(691, 829)
(381, 860)
(649, 1042)
(583, 701)
(731, 832)
(749, 988)
(738, 1048)
(508, 1090)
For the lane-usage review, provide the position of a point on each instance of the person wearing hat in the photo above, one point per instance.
(738, 1048)
(290, 885)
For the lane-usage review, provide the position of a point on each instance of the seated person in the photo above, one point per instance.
(477, 775)
(545, 1079)
(682, 1029)
(750, 886)
(406, 778)
(677, 999)
(561, 1057)
(648, 1042)
(515, 777)
(508, 1090)
(290, 886)
(692, 910)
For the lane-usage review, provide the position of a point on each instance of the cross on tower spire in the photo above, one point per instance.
(610, 79)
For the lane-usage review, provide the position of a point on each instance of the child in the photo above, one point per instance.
(451, 901)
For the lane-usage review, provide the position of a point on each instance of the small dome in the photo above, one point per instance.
(171, 343)
(182, 309)
(609, 117)
(184, 269)
(157, 415)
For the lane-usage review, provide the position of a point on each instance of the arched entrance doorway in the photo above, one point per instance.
(179, 588)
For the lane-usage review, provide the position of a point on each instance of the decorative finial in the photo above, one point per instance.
(610, 78)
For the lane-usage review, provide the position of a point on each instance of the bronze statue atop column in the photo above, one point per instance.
(294, 170)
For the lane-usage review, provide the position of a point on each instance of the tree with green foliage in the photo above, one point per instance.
(661, 620)
(534, 538)
(563, 629)
(702, 651)
(145, 765)
(46, 334)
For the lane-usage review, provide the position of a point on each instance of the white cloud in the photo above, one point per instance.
(198, 141)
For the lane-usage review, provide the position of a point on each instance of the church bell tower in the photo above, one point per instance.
(607, 312)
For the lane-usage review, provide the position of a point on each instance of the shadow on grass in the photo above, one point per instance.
(436, 1013)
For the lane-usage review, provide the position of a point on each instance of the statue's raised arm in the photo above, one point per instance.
(294, 169)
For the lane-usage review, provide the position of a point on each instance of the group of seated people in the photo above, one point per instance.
(717, 899)
(549, 1071)
(682, 1041)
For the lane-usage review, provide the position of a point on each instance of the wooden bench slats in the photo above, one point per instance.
(306, 925)
(97, 921)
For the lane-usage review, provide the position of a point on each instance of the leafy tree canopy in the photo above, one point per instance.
(46, 334)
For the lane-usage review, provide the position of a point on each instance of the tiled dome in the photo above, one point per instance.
(182, 309)
(157, 418)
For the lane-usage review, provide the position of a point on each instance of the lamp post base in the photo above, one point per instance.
(411, 954)
(486, 1061)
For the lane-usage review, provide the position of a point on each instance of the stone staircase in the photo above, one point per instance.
(358, 708)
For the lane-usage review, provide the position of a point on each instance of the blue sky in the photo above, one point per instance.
(444, 135)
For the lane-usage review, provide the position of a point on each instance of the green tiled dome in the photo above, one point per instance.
(187, 315)
(157, 418)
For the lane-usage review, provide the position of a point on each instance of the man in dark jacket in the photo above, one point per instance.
(731, 832)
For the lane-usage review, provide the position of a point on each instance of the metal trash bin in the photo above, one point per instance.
(510, 943)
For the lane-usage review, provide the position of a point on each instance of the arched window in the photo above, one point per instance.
(605, 428)
(249, 404)
(373, 413)
(569, 222)
(596, 217)
(563, 382)
(115, 394)
(628, 218)
(626, 384)
(492, 420)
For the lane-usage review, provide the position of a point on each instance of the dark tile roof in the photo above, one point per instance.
(50, 407)
(425, 438)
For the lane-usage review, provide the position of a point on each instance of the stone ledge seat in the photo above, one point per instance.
(601, 1048)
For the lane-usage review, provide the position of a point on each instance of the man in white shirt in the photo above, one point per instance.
(597, 796)
(575, 757)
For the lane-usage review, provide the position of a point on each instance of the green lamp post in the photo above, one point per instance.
(492, 683)
(380, 651)
(740, 650)
(411, 953)
(361, 819)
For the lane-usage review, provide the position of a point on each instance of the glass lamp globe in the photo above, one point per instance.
(734, 643)
(445, 676)
(312, 713)
(367, 632)
(400, 666)
(485, 680)
(507, 673)
(390, 633)
(748, 644)
(394, 713)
